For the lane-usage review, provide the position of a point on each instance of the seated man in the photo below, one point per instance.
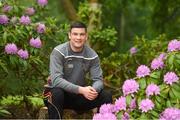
(69, 63)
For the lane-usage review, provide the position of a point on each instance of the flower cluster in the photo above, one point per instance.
(42, 2)
(11, 48)
(152, 89)
(30, 11)
(36, 43)
(122, 107)
(106, 108)
(170, 77)
(162, 56)
(41, 28)
(174, 45)
(25, 20)
(130, 86)
(170, 114)
(105, 116)
(125, 116)
(157, 63)
(133, 50)
(105, 113)
(4, 19)
(143, 71)
(146, 105)
(120, 104)
(6, 8)
(23, 54)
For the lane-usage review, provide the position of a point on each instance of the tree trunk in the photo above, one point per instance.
(69, 9)
(122, 24)
(94, 17)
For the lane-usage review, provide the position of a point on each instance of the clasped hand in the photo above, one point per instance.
(88, 92)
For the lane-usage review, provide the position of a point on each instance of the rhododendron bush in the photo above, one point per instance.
(27, 38)
(154, 91)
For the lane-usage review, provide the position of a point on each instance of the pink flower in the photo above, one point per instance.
(35, 42)
(170, 114)
(174, 45)
(162, 56)
(125, 116)
(170, 77)
(132, 104)
(25, 20)
(42, 2)
(120, 104)
(11, 48)
(133, 50)
(106, 108)
(146, 105)
(157, 63)
(41, 28)
(105, 116)
(130, 86)
(142, 71)
(6, 8)
(23, 54)
(30, 11)
(4, 19)
(152, 89)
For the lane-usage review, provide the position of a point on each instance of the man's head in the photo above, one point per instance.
(78, 24)
(77, 36)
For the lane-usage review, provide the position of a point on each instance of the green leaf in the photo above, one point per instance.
(128, 99)
(155, 74)
(3, 66)
(176, 86)
(158, 104)
(142, 83)
(171, 94)
(164, 93)
(119, 114)
(154, 113)
(143, 117)
(162, 87)
(168, 103)
(158, 99)
(4, 112)
(176, 93)
(171, 60)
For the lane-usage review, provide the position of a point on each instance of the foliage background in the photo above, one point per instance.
(114, 27)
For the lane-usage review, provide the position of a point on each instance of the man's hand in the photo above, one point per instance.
(88, 92)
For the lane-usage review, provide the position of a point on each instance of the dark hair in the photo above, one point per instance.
(78, 24)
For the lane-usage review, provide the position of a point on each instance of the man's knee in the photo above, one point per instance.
(57, 94)
(107, 95)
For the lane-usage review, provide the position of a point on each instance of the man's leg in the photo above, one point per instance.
(80, 103)
(55, 109)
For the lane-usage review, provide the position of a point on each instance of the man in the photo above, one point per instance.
(69, 63)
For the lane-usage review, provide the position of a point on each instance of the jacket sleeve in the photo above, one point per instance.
(56, 73)
(96, 75)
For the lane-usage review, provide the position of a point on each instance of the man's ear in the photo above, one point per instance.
(69, 36)
(86, 36)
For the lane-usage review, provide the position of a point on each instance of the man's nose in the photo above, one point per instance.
(78, 36)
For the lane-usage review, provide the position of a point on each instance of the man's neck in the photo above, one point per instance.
(75, 49)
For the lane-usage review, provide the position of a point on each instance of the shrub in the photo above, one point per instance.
(155, 92)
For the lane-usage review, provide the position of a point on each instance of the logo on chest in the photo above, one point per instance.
(70, 65)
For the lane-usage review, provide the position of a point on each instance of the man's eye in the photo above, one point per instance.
(74, 33)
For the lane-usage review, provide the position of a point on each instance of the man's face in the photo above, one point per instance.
(78, 37)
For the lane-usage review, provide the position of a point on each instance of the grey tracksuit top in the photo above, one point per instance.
(68, 68)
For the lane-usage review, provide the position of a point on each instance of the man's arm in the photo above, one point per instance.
(56, 73)
(96, 75)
